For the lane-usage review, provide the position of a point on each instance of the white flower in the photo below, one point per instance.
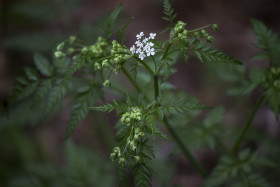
(142, 55)
(132, 49)
(150, 51)
(152, 35)
(139, 36)
(151, 44)
(138, 50)
(139, 44)
(145, 40)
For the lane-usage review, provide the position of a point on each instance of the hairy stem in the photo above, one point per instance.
(245, 128)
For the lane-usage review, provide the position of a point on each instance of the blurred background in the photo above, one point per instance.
(34, 152)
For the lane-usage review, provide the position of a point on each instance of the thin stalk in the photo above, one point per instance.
(145, 65)
(177, 139)
(200, 28)
(185, 150)
(131, 80)
(166, 50)
(156, 87)
(245, 128)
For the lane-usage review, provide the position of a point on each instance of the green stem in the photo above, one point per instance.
(156, 87)
(131, 80)
(145, 65)
(200, 28)
(246, 127)
(185, 150)
(166, 51)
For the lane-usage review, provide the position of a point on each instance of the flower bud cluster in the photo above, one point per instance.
(118, 56)
(134, 114)
(97, 49)
(275, 77)
(143, 48)
(60, 49)
(115, 154)
(180, 32)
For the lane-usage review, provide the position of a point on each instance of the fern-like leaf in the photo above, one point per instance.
(55, 97)
(42, 91)
(79, 110)
(120, 34)
(169, 12)
(43, 65)
(108, 28)
(143, 170)
(208, 54)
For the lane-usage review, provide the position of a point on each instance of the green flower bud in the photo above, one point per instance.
(204, 33)
(209, 39)
(97, 66)
(142, 134)
(127, 120)
(276, 83)
(60, 46)
(59, 54)
(113, 156)
(72, 39)
(136, 136)
(105, 64)
(215, 27)
(137, 130)
(84, 50)
(137, 158)
(122, 161)
(196, 34)
(128, 124)
(132, 145)
(70, 50)
(106, 83)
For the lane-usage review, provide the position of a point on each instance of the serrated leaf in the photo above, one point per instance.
(43, 65)
(207, 54)
(42, 91)
(120, 34)
(31, 74)
(80, 109)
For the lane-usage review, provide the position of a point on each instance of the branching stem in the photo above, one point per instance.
(245, 128)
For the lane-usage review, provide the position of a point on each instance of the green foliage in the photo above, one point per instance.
(207, 54)
(240, 168)
(43, 65)
(267, 40)
(109, 26)
(143, 170)
(120, 34)
(170, 15)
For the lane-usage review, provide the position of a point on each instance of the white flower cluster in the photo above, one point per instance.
(143, 48)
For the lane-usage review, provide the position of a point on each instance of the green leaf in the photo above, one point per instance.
(120, 34)
(168, 11)
(78, 63)
(207, 54)
(176, 106)
(56, 95)
(43, 65)
(108, 28)
(42, 91)
(31, 74)
(80, 109)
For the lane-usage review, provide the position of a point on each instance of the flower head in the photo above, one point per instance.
(144, 47)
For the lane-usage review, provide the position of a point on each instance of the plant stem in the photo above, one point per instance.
(131, 80)
(156, 88)
(185, 150)
(145, 65)
(177, 139)
(246, 127)
(166, 50)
